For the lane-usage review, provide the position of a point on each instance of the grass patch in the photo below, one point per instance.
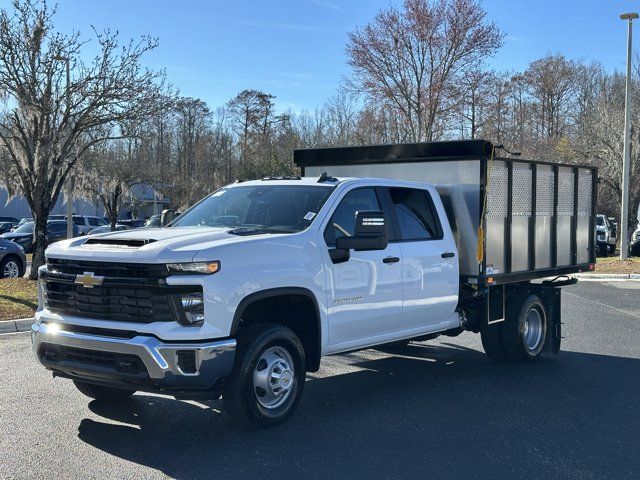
(18, 298)
(615, 265)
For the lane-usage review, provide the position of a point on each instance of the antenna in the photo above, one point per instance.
(324, 177)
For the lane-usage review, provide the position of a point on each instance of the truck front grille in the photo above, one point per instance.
(126, 294)
(108, 269)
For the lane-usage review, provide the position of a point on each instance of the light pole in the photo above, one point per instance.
(624, 211)
(70, 179)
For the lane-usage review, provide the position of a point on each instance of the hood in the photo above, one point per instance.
(601, 228)
(12, 235)
(147, 245)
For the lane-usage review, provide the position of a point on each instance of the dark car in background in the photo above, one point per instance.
(23, 235)
(8, 219)
(13, 261)
(6, 226)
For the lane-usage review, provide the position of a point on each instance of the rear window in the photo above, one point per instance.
(415, 214)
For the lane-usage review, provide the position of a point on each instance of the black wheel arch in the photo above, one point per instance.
(310, 333)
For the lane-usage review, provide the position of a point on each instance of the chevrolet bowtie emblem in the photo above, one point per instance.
(88, 280)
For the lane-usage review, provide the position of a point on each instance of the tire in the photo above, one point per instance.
(11, 267)
(491, 336)
(603, 249)
(99, 392)
(275, 350)
(524, 332)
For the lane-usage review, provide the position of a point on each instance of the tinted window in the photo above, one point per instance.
(25, 228)
(93, 221)
(78, 220)
(57, 227)
(415, 214)
(343, 220)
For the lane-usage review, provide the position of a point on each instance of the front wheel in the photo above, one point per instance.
(11, 267)
(603, 249)
(268, 376)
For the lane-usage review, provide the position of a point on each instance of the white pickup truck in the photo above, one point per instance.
(245, 292)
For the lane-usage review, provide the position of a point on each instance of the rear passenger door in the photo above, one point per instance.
(430, 266)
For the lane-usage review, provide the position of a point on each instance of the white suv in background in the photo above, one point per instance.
(84, 223)
(606, 236)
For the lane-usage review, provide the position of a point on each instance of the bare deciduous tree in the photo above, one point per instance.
(49, 121)
(410, 58)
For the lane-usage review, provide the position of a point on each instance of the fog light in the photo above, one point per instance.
(53, 328)
(191, 308)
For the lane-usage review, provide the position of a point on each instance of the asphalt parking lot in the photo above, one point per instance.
(439, 409)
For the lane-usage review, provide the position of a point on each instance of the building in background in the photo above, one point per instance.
(143, 202)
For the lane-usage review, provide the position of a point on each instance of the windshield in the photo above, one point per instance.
(25, 228)
(600, 221)
(272, 208)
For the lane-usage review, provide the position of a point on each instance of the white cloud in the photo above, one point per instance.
(325, 4)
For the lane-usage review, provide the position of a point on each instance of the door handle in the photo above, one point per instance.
(448, 255)
(390, 260)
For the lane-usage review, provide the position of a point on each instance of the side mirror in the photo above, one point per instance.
(166, 217)
(370, 234)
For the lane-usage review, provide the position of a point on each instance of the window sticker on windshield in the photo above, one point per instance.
(217, 194)
(309, 216)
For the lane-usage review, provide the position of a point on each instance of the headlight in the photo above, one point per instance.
(190, 308)
(203, 268)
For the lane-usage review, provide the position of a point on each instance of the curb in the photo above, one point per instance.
(13, 326)
(603, 277)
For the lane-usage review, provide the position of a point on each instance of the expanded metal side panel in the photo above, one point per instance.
(545, 179)
(583, 222)
(521, 203)
(495, 219)
(564, 219)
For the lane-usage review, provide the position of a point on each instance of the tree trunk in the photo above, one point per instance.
(39, 241)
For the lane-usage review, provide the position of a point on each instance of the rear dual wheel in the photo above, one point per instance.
(522, 335)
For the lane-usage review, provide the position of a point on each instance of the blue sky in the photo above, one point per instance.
(294, 49)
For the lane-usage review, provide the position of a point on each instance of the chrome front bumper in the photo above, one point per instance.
(213, 360)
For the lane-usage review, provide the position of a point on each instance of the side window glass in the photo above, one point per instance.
(415, 214)
(93, 221)
(343, 220)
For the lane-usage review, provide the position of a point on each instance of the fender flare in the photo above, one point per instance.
(268, 293)
(281, 292)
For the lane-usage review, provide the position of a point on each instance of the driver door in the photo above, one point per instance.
(364, 294)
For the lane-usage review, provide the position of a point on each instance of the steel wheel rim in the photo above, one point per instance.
(11, 270)
(533, 333)
(274, 377)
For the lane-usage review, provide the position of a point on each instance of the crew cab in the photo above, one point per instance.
(244, 292)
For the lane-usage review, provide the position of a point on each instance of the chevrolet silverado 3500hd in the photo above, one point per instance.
(244, 292)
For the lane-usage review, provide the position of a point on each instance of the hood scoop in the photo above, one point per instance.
(118, 242)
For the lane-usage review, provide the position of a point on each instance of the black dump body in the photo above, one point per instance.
(533, 219)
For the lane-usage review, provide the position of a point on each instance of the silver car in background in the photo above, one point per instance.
(13, 261)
